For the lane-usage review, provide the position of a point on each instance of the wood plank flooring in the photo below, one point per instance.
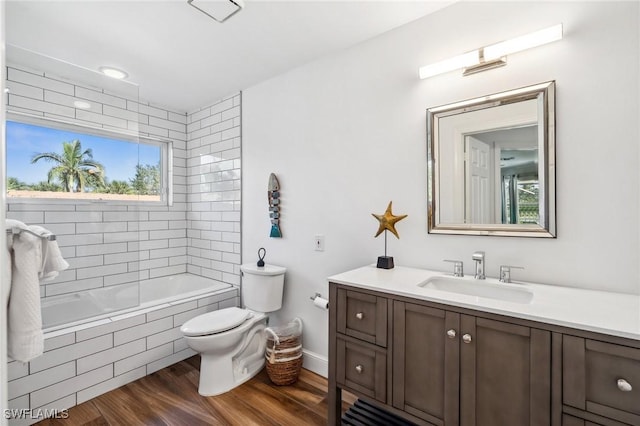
(170, 397)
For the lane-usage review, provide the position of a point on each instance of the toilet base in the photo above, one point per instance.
(220, 374)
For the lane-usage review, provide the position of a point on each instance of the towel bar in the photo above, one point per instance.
(15, 231)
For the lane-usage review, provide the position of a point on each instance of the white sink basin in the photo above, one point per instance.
(480, 288)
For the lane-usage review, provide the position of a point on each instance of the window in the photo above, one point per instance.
(61, 161)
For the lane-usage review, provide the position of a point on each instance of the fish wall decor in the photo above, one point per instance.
(274, 206)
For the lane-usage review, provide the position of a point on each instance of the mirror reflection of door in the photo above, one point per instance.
(501, 176)
(478, 181)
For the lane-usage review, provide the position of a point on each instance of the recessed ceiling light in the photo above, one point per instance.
(113, 72)
(81, 104)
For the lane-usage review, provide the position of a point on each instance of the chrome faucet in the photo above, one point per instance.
(478, 257)
(458, 268)
(505, 272)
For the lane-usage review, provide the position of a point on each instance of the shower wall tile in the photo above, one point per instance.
(110, 356)
(77, 350)
(214, 180)
(112, 243)
(92, 235)
(72, 385)
(152, 367)
(96, 390)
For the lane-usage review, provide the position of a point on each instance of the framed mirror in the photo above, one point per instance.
(491, 164)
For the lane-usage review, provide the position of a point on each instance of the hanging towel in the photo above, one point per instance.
(6, 272)
(52, 260)
(24, 338)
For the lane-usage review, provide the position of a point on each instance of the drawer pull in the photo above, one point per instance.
(359, 315)
(466, 338)
(451, 334)
(359, 369)
(624, 386)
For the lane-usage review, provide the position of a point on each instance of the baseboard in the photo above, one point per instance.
(315, 362)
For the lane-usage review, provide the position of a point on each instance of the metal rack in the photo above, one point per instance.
(16, 231)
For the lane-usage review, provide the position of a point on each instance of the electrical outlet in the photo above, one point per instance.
(319, 242)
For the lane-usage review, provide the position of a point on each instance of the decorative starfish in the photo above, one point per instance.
(388, 221)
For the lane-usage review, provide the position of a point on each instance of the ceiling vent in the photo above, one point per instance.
(219, 10)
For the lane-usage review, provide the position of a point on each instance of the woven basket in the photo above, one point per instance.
(284, 358)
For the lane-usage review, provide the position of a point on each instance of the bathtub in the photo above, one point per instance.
(77, 308)
(111, 346)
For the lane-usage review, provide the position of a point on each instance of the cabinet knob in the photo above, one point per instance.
(359, 315)
(451, 334)
(624, 386)
(466, 338)
(359, 369)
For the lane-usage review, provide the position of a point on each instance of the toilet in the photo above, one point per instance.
(231, 341)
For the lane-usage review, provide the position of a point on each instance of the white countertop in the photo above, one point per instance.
(615, 314)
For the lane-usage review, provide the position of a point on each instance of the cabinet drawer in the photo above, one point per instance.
(602, 378)
(575, 421)
(363, 368)
(363, 316)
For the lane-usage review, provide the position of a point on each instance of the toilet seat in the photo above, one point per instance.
(215, 322)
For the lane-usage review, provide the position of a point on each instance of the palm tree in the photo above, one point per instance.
(74, 168)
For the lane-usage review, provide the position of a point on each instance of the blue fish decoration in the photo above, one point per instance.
(274, 206)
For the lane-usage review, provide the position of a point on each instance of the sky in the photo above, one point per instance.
(118, 157)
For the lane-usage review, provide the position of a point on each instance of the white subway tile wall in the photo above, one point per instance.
(109, 243)
(115, 243)
(213, 188)
(92, 359)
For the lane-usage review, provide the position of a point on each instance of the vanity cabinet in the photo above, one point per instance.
(454, 369)
(436, 366)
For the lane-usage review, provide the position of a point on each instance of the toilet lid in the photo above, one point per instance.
(215, 322)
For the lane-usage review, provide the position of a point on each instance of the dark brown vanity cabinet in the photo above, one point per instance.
(451, 368)
(436, 364)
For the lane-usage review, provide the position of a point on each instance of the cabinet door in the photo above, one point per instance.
(425, 362)
(505, 373)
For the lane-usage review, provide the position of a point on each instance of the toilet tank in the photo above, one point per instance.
(262, 287)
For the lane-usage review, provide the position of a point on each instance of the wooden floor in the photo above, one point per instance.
(170, 397)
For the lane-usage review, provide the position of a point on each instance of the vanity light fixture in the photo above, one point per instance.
(492, 56)
(113, 73)
(218, 10)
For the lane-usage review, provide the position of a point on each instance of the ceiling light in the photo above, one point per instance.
(218, 10)
(113, 73)
(81, 104)
(492, 56)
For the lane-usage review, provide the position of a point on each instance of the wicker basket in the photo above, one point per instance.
(284, 353)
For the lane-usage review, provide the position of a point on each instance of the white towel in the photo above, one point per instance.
(52, 261)
(6, 273)
(24, 338)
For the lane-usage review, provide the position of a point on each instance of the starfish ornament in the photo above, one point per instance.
(388, 221)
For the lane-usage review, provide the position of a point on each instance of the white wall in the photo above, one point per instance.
(347, 133)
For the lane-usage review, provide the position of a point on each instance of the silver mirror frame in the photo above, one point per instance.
(545, 93)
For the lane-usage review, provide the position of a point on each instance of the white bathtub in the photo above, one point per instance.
(73, 309)
(108, 348)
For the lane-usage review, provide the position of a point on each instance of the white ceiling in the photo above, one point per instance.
(185, 60)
